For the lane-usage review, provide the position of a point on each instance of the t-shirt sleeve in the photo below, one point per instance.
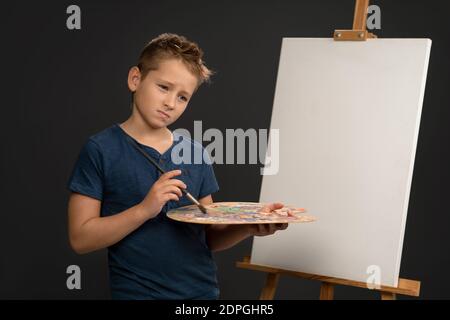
(209, 183)
(87, 174)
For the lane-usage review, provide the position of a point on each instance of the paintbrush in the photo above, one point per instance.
(187, 194)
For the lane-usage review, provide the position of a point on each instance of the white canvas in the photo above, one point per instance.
(349, 117)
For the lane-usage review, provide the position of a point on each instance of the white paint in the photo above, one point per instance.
(349, 115)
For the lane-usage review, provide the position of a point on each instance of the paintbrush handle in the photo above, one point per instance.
(134, 143)
(188, 195)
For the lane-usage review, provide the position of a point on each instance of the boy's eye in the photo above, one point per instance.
(166, 88)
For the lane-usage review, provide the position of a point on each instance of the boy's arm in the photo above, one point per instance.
(88, 231)
(223, 236)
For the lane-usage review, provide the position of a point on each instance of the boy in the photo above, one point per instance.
(119, 201)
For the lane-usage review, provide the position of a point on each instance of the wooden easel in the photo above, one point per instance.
(359, 31)
(405, 286)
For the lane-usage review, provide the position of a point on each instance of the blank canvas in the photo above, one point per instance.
(348, 115)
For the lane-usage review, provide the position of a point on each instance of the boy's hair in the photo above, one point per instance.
(169, 45)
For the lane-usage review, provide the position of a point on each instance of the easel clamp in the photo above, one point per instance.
(359, 31)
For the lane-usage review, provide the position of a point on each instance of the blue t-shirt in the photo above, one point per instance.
(163, 258)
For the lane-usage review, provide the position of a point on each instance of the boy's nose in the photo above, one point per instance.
(170, 101)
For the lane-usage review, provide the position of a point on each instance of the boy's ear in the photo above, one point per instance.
(134, 78)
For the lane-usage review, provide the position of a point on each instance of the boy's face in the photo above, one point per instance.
(163, 95)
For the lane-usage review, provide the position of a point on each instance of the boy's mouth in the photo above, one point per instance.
(165, 115)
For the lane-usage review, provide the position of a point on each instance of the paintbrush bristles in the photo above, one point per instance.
(202, 208)
(195, 201)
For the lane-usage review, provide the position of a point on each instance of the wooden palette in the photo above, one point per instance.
(238, 213)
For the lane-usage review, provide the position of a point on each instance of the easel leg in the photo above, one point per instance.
(387, 296)
(326, 291)
(268, 291)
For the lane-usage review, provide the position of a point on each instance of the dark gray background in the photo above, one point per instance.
(61, 86)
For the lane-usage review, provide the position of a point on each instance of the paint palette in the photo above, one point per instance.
(239, 213)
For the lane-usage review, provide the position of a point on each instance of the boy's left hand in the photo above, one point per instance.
(265, 229)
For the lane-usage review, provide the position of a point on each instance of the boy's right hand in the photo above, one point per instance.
(163, 190)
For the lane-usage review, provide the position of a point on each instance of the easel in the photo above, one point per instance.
(405, 286)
